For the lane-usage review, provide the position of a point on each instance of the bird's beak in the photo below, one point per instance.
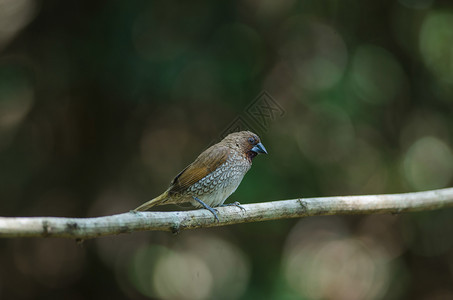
(259, 148)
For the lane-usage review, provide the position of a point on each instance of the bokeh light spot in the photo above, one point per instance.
(436, 44)
(182, 276)
(198, 268)
(322, 262)
(376, 76)
(428, 164)
(316, 53)
(267, 9)
(220, 255)
(14, 15)
(142, 267)
(416, 4)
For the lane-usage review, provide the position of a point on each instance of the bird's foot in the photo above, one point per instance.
(212, 210)
(237, 204)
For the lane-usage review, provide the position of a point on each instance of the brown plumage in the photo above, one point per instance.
(214, 175)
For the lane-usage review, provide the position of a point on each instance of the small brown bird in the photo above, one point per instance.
(214, 175)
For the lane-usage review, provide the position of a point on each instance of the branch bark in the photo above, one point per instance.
(84, 228)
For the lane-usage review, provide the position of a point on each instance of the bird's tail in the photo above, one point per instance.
(156, 201)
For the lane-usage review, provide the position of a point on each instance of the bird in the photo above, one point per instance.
(214, 175)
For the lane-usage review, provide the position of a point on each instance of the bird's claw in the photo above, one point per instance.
(215, 216)
(212, 210)
(237, 204)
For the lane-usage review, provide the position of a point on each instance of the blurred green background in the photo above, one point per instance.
(102, 103)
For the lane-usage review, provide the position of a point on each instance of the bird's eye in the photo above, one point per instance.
(252, 140)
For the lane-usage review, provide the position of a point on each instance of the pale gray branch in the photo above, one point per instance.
(84, 228)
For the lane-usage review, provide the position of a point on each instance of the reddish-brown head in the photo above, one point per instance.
(245, 142)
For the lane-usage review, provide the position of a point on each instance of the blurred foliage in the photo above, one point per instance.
(103, 102)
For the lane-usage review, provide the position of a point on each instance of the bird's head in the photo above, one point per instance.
(245, 142)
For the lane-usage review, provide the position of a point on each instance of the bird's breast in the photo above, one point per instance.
(217, 186)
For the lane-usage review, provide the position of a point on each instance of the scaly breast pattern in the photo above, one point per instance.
(216, 187)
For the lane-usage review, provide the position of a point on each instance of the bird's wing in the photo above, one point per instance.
(206, 162)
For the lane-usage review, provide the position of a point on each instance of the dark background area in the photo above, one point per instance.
(102, 103)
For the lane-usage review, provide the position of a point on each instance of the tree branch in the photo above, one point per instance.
(84, 228)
